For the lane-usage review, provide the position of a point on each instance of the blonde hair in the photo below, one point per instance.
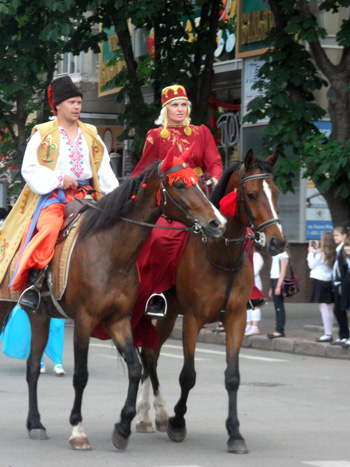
(161, 117)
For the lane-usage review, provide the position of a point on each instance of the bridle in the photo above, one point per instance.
(257, 236)
(165, 197)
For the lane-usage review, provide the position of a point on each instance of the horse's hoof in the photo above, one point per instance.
(237, 446)
(143, 427)
(162, 426)
(119, 441)
(176, 434)
(80, 444)
(38, 433)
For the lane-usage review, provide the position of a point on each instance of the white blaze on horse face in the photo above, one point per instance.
(268, 193)
(222, 219)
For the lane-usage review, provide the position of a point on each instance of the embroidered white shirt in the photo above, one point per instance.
(73, 160)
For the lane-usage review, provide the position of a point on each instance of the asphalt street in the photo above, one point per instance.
(293, 411)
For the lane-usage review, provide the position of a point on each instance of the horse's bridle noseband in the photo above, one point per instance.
(196, 228)
(258, 234)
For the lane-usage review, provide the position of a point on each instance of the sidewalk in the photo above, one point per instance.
(303, 326)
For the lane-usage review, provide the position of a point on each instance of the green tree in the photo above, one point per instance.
(34, 34)
(295, 67)
(175, 58)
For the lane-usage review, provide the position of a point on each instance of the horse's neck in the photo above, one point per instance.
(227, 253)
(124, 233)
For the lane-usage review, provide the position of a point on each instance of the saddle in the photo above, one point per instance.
(57, 273)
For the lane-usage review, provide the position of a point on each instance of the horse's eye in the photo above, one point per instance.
(180, 185)
(251, 196)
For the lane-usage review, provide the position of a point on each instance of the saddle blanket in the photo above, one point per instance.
(59, 268)
(157, 263)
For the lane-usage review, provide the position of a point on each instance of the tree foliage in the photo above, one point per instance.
(33, 37)
(180, 55)
(296, 66)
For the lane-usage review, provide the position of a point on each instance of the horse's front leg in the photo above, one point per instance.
(40, 334)
(82, 331)
(120, 331)
(234, 327)
(187, 379)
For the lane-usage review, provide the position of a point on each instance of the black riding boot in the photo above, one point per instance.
(29, 300)
(156, 306)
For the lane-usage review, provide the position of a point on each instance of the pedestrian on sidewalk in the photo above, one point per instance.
(321, 257)
(277, 274)
(344, 266)
(254, 314)
(339, 234)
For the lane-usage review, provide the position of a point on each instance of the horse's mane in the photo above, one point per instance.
(220, 188)
(113, 205)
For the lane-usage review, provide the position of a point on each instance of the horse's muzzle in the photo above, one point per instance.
(276, 245)
(215, 229)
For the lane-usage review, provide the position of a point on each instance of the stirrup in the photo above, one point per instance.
(156, 306)
(27, 305)
(254, 303)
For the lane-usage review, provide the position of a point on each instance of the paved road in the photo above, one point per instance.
(293, 412)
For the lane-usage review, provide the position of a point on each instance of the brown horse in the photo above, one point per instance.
(213, 281)
(103, 280)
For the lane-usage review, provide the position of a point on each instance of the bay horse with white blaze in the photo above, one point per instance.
(103, 280)
(213, 281)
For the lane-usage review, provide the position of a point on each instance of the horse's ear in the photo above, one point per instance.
(249, 159)
(168, 161)
(273, 158)
(186, 156)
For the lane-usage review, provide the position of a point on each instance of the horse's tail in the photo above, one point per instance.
(4, 324)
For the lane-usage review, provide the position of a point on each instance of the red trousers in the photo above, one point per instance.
(40, 250)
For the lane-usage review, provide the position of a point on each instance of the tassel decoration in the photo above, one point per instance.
(228, 204)
(50, 97)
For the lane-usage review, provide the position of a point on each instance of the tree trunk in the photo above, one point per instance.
(203, 85)
(135, 96)
(339, 208)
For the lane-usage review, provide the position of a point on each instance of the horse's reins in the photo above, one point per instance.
(196, 228)
(258, 236)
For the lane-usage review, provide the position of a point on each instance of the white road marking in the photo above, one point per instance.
(177, 466)
(213, 352)
(328, 463)
(221, 352)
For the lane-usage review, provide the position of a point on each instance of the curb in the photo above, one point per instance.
(297, 345)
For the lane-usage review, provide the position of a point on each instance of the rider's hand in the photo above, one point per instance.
(69, 182)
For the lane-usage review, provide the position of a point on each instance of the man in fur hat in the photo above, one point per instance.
(61, 155)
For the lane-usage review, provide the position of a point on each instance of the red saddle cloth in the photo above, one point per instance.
(157, 263)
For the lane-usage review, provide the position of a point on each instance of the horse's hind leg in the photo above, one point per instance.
(143, 422)
(40, 334)
(122, 337)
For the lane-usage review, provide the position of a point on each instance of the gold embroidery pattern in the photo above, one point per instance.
(25, 199)
(50, 147)
(3, 247)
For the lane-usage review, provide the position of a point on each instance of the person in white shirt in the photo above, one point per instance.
(62, 157)
(321, 260)
(277, 274)
(254, 314)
